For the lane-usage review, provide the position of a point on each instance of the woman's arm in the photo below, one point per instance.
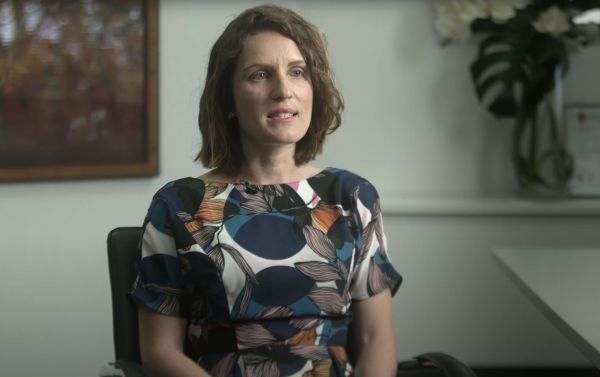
(161, 346)
(373, 336)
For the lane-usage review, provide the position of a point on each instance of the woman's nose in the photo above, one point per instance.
(281, 88)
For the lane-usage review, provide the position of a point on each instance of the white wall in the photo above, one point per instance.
(409, 102)
(412, 126)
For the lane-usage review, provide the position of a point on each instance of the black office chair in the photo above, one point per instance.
(123, 252)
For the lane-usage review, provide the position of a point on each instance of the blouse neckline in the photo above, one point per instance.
(246, 183)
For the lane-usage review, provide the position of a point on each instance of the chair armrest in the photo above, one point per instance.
(122, 368)
(451, 366)
(434, 364)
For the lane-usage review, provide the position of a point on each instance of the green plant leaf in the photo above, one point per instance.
(514, 67)
(494, 76)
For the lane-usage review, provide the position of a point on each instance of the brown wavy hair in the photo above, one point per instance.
(221, 144)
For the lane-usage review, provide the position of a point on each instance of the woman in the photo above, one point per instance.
(256, 276)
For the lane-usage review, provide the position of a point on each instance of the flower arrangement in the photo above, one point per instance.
(524, 49)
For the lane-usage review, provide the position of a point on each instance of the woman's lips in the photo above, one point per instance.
(282, 115)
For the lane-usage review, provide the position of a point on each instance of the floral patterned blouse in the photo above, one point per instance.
(265, 275)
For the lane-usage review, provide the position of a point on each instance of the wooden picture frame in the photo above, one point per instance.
(582, 125)
(78, 89)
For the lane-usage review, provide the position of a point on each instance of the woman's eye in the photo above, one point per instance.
(260, 75)
(297, 72)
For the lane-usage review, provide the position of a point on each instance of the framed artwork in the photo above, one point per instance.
(78, 89)
(582, 122)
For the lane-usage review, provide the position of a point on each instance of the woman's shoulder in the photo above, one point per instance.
(185, 183)
(345, 178)
(338, 185)
(181, 190)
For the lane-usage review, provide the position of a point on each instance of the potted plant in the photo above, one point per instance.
(524, 48)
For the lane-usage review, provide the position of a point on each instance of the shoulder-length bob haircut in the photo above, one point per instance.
(221, 145)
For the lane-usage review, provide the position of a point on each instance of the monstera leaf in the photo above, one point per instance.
(513, 73)
(515, 67)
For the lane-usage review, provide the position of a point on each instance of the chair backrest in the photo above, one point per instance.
(123, 253)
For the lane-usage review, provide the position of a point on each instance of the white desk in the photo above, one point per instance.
(565, 286)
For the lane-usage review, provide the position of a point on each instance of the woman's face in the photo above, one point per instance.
(272, 91)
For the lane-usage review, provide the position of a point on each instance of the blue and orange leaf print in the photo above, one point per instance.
(246, 294)
(310, 352)
(321, 368)
(204, 236)
(327, 299)
(323, 216)
(240, 261)
(257, 202)
(162, 289)
(255, 358)
(272, 191)
(379, 228)
(253, 334)
(266, 368)
(342, 269)
(216, 255)
(213, 189)
(305, 323)
(376, 281)
(289, 202)
(188, 220)
(367, 240)
(210, 211)
(274, 312)
(302, 337)
(224, 366)
(319, 242)
(170, 305)
(318, 271)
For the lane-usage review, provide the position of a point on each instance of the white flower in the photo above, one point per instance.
(591, 16)
(552, 21)
(469, 10)
(449, 25)
(502, 11)
(453, 18)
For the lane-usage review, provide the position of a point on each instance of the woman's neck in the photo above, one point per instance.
(258, 173)
(263, 174)
(264, 165)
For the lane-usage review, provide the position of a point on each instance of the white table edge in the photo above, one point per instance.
(576, 339)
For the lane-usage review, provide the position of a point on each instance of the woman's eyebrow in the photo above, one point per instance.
(256, 65)
(299, 62)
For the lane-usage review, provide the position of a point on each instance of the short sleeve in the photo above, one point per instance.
(159, 284)
(373, 271)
